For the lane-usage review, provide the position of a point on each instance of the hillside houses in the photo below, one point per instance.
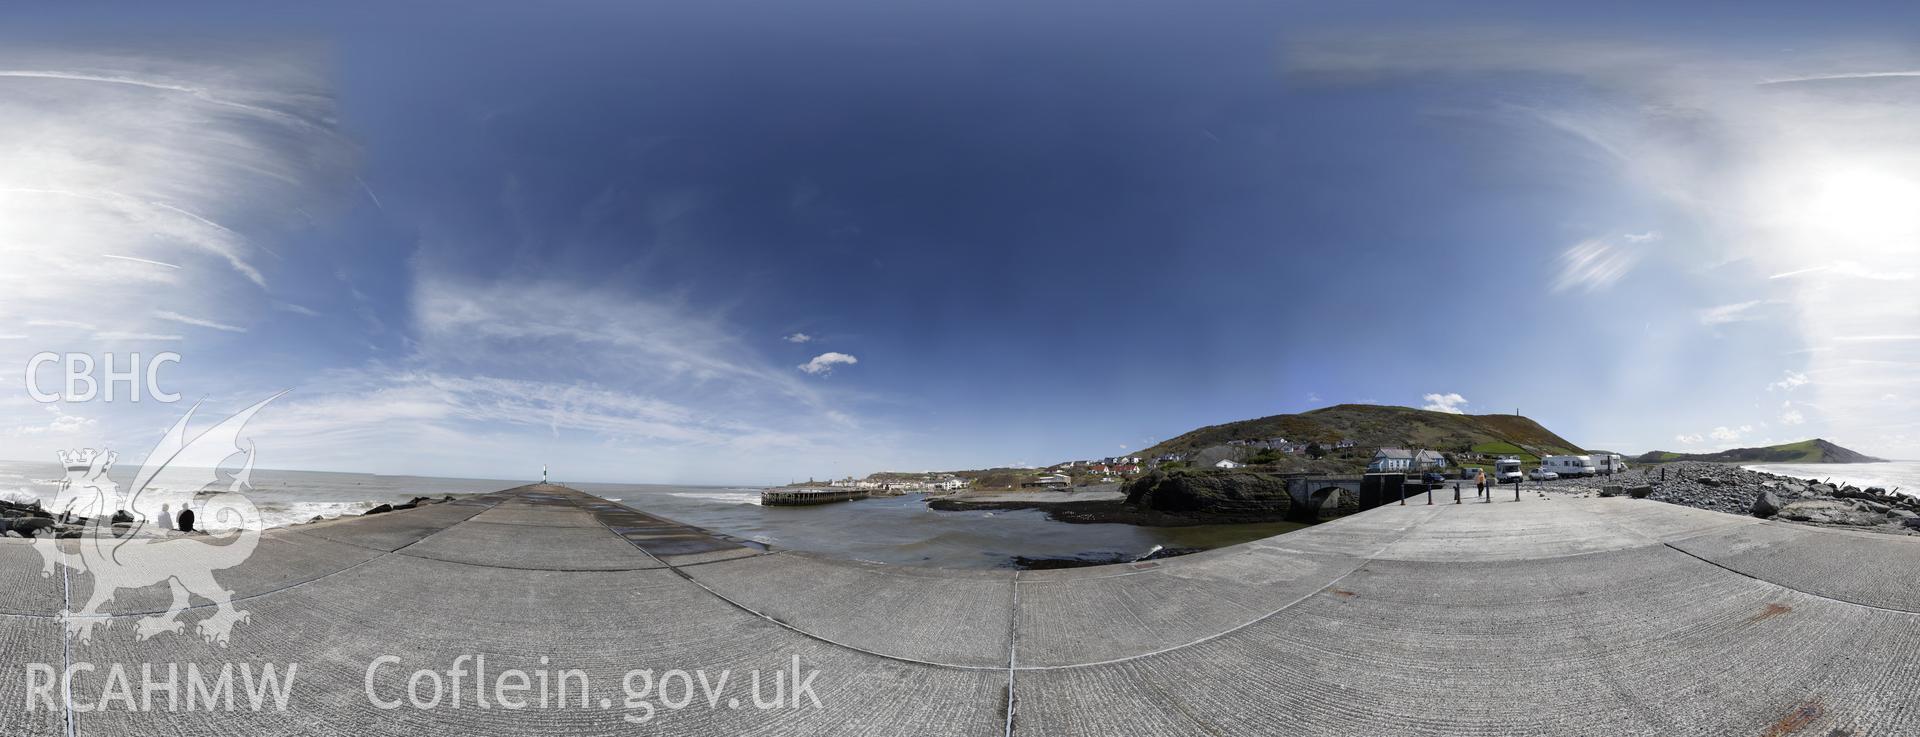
(1291, 447)
(907, 484)
(1396, 460)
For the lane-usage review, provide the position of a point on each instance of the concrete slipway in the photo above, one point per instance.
(1570, 616)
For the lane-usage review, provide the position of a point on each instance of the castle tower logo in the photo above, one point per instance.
(140, 538)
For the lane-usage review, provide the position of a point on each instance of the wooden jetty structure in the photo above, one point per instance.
(798, 497)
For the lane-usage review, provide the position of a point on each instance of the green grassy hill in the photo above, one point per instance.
(1816, 450)
(1374, 426)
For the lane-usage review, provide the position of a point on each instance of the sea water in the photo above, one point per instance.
(1902, 475)
(283, 497)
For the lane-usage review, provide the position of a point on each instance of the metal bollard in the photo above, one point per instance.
(1456, 492)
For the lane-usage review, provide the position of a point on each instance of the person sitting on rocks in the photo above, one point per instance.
(166, 517)
(186, 519)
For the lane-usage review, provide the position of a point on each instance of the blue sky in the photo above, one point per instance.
(760, 242)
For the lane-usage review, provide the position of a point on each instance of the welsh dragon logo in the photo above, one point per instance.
(147, 550)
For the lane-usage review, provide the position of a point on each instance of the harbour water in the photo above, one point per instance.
(897, 530)
(902, 530)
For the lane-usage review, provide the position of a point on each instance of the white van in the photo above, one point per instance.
(1569, 466)
(1506, 470)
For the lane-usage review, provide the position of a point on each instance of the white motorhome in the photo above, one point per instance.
(1608, 463)
(1506, 470)
(1569, 466)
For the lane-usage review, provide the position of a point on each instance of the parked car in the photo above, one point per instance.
(1433, 478)
(1541, 474)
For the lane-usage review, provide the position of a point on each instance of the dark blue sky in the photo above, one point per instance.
(584, 231)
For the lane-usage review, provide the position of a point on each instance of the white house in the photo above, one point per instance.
(1390, 460)
(1224, 463)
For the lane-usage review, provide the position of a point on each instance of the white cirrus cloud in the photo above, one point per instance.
(798, 338)
(1693, 439)
(1849, 269)
(136, 177)
(599, 380)
(135, 336)
(1789, 415)
(1594, 265)
(1791, 381)
(170, 316)
(61, 424)
(1889, 338)
(1451, 403)
(1736, 312)
(824, 363)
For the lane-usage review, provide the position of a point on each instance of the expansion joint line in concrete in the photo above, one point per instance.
(66, 645)
(1013, 652)
(1738, 572)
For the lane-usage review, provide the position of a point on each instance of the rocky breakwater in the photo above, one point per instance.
(418, 501)
(1820, 503)
(30, 520)
(1734, 490)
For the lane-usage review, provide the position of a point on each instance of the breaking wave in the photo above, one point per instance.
(723, 497)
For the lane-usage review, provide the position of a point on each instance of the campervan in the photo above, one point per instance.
(1608, 464)
(1568, 466)
(1506, 471)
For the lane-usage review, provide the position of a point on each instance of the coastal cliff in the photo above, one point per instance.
(1223, 495)
(1817, 450)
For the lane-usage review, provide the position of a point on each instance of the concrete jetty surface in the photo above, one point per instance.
(1570, 616)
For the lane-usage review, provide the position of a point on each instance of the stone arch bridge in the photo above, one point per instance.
(1318, 497)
